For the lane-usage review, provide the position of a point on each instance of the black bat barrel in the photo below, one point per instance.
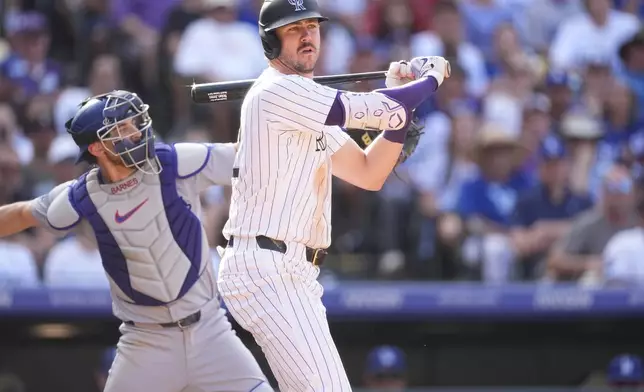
(234, 90)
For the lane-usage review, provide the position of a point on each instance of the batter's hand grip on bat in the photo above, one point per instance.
(234, 90)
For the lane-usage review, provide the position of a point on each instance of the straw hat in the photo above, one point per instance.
(580, 125)
(492, 135)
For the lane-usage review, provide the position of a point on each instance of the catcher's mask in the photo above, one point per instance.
(127, 127)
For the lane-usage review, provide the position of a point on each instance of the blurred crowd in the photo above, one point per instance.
(529, 168)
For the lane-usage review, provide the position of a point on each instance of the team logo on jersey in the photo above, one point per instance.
(298, 4)
(122, 218)
(320, 143)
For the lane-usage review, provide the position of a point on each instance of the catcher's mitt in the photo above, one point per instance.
(414, 131)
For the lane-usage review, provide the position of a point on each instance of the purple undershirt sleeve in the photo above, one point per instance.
(410, 95)
(336, 113)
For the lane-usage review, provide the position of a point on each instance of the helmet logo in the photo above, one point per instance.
(106, 121)
(298, 4)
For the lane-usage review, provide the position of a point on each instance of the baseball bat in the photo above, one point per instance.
(234, 90)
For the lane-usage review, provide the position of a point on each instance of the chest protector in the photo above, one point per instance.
(158, 258)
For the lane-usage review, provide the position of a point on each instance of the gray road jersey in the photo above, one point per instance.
(135, 216)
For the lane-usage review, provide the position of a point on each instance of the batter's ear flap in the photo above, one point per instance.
(271, 44)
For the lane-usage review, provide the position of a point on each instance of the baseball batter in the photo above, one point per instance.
(141, 204)
(292, 141)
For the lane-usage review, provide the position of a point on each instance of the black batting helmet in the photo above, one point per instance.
(278, 13)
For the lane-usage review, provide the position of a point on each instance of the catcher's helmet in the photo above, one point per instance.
(98, 116)
(278, 13)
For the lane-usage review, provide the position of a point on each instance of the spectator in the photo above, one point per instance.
(27, 71)
(346, 12)
(508, 48)
(599, 31)
(440, 231)
(62, 158)
(172, 109)
(618, 115)
(543, 18)
(487, 202)
(12, 187)
(17, 265)
(339, 48)
(11, 135)
(364, 59)
(395, 28)
(39, 128)
(104, 76)
(75, 262)
(582, 134)
(482, 18)
(422, 11)
(95, 34)
(625, 371)
(543, 214)
(631, 54)
(536, 126)
(141, 21)
(635, 7)
(183, 13)
(223, 35)
(579, 252)
(249, 10)
(633, 155)
(504, 103)
(598, 80)
(19, 185)
(386, 369)
(434, 148)
(446, 39)
(560, 90)
(234, 52)
(622, 255)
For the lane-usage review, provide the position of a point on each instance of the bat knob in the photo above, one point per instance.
(448, 69)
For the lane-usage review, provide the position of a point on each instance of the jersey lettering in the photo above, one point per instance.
(320, 143)
(125, 186)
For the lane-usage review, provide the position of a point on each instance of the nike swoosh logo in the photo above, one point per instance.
(122, 218)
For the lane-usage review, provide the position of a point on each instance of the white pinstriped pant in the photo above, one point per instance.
(276, 297)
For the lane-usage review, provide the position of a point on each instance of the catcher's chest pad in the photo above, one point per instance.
(134, 213)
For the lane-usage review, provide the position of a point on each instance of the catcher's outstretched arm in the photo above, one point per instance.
(16, 217)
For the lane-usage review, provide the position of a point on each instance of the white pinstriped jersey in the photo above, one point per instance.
(283, 186)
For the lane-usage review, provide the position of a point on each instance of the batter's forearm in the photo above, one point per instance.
(381, 156)
(15, 218)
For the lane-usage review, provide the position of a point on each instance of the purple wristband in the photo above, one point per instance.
(395, 136)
